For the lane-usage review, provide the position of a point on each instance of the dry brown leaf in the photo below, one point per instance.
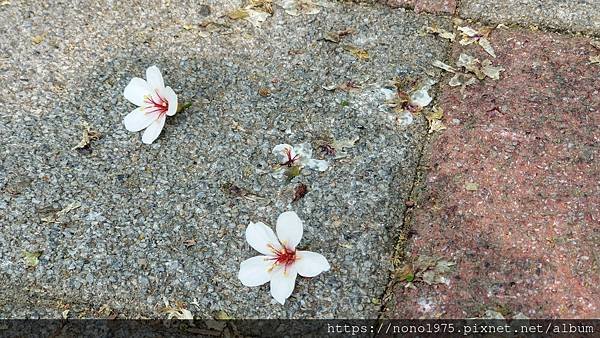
(434, 117)
(359, 53)
(442, 33)
(87, 136)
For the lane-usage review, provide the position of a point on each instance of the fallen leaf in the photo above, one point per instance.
(297, 7)
(442, 33)
(65, 314)
(177, 311)
(189, 242)
(301, 190)
(222, 315)
(469, 36)
(87, 136)
(32, 258)
(441, 65)
(487, 46)
(595, 43)
(491, 71)
(471, 186)
(329, 87)
(595, 59)
(470, 64)
(434, 117)
(256, 18)
(238, 14)
(53, 218)
(38, 38)
(5, 3)
(359, 53)
(187, 27)
(68, 208)
(264, 91)
(336, 36)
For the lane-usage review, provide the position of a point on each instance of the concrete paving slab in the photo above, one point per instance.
(166, 221)
(512, 195)
(571, 15)
(428, 6)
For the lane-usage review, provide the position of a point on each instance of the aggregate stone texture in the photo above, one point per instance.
(513, 195)
(428, 6)
(166, 221)
(569, 15)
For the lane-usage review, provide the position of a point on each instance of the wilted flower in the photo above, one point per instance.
(297, 156)
(281, 262)
(155, 102)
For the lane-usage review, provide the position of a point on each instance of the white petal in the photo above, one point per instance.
(289, 229)
(153, 130)
(280, 152)
(320, 165)
(262, 239)
(310, 264)
(138, 120)
(283, 281)
(304, 150)
(171, 97)
(255, 271)
(136, 91)
(421, 97)
(154, 78)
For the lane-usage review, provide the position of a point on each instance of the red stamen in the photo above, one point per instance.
(290, 160)
(160, 105)
(285, 257)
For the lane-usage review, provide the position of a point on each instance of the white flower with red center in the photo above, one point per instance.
(299, 156)
(281, 262)
(155, 102)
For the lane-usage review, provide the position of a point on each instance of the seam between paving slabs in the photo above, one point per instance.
(416, 188)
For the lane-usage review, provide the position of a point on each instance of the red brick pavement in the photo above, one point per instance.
(528, 239)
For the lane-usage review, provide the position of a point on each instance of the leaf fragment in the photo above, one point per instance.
(38, 38)
(256, 18)
(595, 59)
(442, 33)
(238, 14)
(32, 258)
(222, 315)
(487, 46)
(359, 53)
(298, 7)
(336, 36)
(441, 65)
(491, 71)
(87, 136)
(470, 186)
(434, 117)
(301, 190)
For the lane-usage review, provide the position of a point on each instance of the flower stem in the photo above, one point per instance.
(183, 106)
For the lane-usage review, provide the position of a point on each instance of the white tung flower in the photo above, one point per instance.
(155, 102)
(281, 262)
(299, 155)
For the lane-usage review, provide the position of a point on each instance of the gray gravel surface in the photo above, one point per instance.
(571, 15)
(125, 248)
